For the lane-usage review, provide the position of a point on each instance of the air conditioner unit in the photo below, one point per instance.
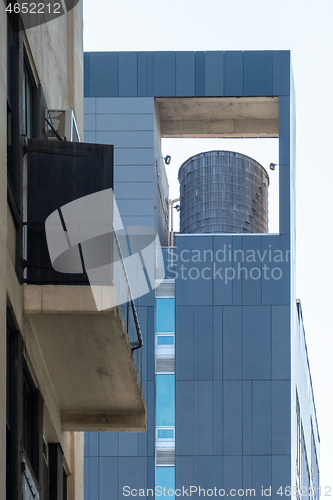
(61, 123)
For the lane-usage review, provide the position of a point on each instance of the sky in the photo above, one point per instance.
(305, 28)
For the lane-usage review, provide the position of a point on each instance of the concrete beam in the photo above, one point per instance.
(221, 128)
(219, 116)
(115, 422)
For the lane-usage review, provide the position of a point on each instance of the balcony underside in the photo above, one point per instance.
(86, 355)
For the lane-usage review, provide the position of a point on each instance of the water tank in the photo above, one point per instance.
(223, 192)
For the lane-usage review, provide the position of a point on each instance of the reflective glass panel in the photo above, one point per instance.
(165, 340)
(165, 478)
(165, 400)
(165, 433)
(165, 315)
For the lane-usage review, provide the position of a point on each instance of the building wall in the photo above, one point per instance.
(232, 364)
(161, 188)
(73, 451)
(304, 425)
(140, 186)
(3, 248)
(55, 53)
(235, 408)
(114, 460)
(132, 126)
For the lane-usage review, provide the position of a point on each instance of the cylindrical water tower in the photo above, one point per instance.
(223, 192)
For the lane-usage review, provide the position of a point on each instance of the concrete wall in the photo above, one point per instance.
(56, 57)
(73, 450)
(57, 52)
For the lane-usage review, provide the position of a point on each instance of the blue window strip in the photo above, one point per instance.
(165, 315)
(165, 433)
(165, 400)
(165, 340)
(165, 478)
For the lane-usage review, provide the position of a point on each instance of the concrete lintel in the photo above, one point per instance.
(55, 299)
(219, 116)
(110, 422)
(221, 128)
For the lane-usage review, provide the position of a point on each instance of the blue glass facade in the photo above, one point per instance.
(165, 482)
(165, 340)
(165, 315)
(165, 398)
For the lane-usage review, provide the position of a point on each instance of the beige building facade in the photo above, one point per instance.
(58, 355)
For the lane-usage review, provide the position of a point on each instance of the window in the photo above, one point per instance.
(165, 395)
(43, 469)
(299, 440)
(165, 315)
(10, 64)
(165, 400)
(314, 463)
(30, 438)
(164, 353)
(305, 473)
(57, 474)
(8, 418)
(302, 467)
(24, 421)
(28, 102)
(22, 93)
(165, 478)
(165, 340)
(165, 433)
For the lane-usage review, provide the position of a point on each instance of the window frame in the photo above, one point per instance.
(17, 455)
(19, 77)
(165, 428)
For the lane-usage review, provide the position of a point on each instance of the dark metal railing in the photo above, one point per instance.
(124, 294)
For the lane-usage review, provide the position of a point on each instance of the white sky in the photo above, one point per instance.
(306, 29)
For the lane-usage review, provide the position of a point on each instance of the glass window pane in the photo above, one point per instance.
(165, 433)
(165, 400)
(165, 315)
(165, 340)
(165, 478)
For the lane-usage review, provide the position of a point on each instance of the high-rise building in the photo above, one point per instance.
(225, 369)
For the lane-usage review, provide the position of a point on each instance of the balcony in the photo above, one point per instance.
(84, 341)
